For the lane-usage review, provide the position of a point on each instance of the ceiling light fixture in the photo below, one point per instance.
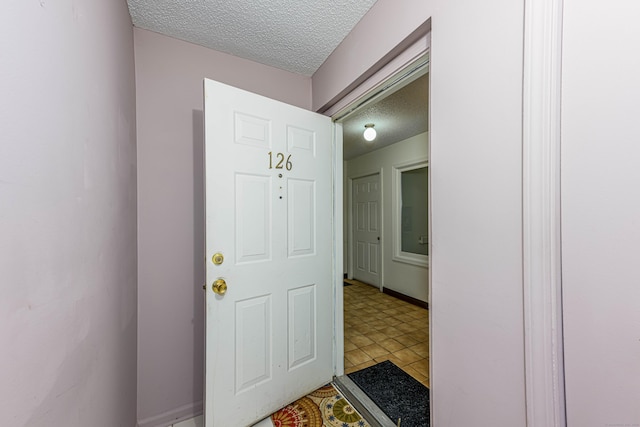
(369, 132)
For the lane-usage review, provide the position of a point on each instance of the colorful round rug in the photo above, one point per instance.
(323, 392)
(337, 412)
(301, 413)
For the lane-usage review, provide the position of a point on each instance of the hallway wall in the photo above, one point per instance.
(401, 277)
(601, 212)
(67, 214)
(169, 92)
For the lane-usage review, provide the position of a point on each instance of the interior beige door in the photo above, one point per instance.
(269, 291)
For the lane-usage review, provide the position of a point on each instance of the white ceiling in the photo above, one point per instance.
(293, 35)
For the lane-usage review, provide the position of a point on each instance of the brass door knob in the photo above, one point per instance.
(220, 287)
(217, 258)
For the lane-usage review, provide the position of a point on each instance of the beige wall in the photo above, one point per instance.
(68, 207)
(405, 278)
(601, 212)
(67, 214)
(169, 76)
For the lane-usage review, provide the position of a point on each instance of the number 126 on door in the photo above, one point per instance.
(280, 161)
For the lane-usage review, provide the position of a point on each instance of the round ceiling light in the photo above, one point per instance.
(369, 132)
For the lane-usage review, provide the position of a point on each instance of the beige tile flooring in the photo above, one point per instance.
(379, 327)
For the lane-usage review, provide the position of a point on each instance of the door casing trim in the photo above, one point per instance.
(404, 60)
(541, 231)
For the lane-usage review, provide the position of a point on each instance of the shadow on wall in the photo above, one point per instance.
(198, 264)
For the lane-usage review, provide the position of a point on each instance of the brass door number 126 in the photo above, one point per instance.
(279, 159)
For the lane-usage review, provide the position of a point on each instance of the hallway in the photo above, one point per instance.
(380, 327)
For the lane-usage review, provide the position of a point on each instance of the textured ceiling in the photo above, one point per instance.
(293, 35)
(398, 116)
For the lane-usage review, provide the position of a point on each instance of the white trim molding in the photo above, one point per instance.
(544, 370)
(338, 252)
(396, 214)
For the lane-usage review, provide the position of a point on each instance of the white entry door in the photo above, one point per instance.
(269, 319)
(366, 229)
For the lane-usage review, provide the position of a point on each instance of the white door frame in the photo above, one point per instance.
(350, 260)
(393, 71)
(542, 274)
(338, 251)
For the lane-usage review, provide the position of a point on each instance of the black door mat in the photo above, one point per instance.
(396, 393)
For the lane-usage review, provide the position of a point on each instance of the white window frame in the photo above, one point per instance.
(396, 216)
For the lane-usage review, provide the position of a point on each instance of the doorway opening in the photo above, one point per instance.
(386, 264)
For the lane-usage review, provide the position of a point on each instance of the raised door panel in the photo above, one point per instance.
(253, 342)
(253, 218)
(251, 130)
(301, 220)
(373, 225)
(302, 320)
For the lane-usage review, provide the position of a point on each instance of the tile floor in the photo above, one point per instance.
(379, 327)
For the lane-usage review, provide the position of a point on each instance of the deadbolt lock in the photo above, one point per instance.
(220, 287)
(217, 258)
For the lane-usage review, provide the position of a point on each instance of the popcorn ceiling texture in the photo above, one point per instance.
(293, 35)
(399, 116)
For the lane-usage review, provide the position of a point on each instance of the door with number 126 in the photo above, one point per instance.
(269, 242)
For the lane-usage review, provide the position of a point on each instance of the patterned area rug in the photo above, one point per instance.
(324, 407)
